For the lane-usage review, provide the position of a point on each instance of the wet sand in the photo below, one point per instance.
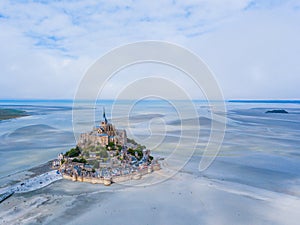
(26, 174)
(254, 180)
(182, 199)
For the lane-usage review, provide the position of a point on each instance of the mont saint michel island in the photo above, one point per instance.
(104, 156)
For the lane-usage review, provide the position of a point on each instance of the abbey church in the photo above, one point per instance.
(102, 135)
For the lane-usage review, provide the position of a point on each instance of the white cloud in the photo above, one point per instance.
(47, 46)
(255, 56)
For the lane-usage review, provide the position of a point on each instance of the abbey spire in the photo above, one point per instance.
(104, 116)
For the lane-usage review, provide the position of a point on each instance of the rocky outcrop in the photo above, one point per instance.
(276, 111)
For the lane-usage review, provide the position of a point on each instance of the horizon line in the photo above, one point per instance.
(107, 99)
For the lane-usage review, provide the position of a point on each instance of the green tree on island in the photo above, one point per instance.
(73, 152)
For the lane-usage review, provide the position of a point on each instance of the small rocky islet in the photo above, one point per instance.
(277, 111)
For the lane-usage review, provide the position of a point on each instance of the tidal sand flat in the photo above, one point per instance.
(188, 199)
(255, 178)
(193, 199)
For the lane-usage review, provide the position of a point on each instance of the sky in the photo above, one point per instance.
(251, 46)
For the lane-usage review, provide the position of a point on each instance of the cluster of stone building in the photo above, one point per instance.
(84, 173)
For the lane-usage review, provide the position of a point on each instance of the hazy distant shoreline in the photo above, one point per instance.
(6, 114)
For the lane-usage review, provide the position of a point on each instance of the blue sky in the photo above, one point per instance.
(251, 46)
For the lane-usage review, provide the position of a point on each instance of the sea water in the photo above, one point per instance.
(259, 149)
